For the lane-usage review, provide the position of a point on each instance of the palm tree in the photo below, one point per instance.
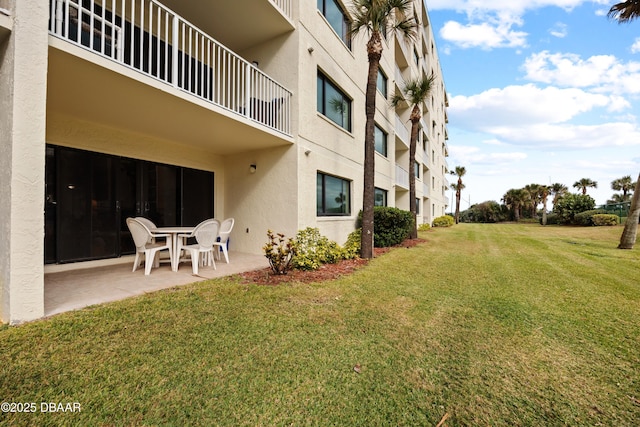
(543, 191)
(515, 199)
(459, 171)
(558, 190)
(618, 198)
(625, 11)
(416, 92)
(375, 17)
(628, 238)
(584, 183)
(623, 184)
(534, 197)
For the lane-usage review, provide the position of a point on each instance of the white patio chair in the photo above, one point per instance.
(182, 239)
(205, 234)
(225, 231)
(150, 225)
(141, 235)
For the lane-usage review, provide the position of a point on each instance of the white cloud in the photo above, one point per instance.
(526, 104)
(604, 73)
(515, 7)
(635, 47)
(538, 117)
(469, 155)
(484, 35)
(559, 30)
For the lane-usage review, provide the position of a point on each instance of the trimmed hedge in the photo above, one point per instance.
(391, 226)
(586, 218)
(604, 219)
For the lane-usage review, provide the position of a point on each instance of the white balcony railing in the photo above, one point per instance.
(402, 132)
(284, 6)
(152, 39)
(402, 177)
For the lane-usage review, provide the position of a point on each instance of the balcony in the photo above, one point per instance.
(402, 132)
(402, 177)
(147, 37)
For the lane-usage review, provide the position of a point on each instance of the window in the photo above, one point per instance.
(333, 103)
(380, 137)
(381, 83)
(416, 169)
(416, 57)
(336, 18)
(333, 195)
(380, 197)
(417, 206)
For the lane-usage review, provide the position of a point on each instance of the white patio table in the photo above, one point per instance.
(173, 231)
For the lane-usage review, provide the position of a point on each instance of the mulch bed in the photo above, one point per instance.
(325, 272)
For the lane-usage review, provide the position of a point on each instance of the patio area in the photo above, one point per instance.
(73, 286)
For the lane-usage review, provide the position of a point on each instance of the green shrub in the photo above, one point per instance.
(443, 221)
(552, 219)
(279, 252)
(569, 205)
(314, 249)
(351, 248)
(585, 218)
(604, 219)
(391, 226)
(424, 227)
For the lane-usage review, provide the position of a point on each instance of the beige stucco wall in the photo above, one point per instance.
(23, 79)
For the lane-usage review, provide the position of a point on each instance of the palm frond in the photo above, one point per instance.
(381, 15)
(625, 11)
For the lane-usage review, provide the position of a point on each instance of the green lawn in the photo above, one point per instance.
(497, 325)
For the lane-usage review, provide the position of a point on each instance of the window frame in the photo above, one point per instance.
(384, 91)
(321, 107)
(323, 210)
(377, 130)
(385, 195)
(346, 22)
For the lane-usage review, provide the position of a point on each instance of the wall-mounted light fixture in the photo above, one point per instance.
(252, 169)
(310, 49)
(255, 63)
(306, 153)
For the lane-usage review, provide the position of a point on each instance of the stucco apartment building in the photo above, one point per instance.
(184, 110)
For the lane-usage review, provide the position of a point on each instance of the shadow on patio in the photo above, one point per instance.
(68, 289)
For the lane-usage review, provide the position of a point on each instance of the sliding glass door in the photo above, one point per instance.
(90, 195)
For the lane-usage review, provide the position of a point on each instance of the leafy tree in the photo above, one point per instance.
(571, 204)
(585, 183)
(628, 238)
(375, 17)
(625, 11)
(416, 92)
(485, 212)
(459, 171)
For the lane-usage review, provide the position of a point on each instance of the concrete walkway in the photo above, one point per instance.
(73, 286)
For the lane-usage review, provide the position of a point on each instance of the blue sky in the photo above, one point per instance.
(540, 91)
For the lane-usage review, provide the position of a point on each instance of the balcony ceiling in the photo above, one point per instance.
(115, 96)
(238, 24)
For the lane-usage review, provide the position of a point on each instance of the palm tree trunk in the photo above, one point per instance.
(544, 210)
(415, 120)
(628, 238)
(374, 52)
(457, 205)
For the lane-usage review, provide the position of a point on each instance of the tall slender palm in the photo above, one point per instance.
(375, 17)
(534, 197)
(625, 11)
(585, 183)
(558, 190)
(459, 171)
(543, 191)
(628, 238)
(416, 92)
(623, 184)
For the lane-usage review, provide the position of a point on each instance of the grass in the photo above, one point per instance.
(497, 325)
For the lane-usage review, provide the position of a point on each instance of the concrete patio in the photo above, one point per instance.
(73, 286)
